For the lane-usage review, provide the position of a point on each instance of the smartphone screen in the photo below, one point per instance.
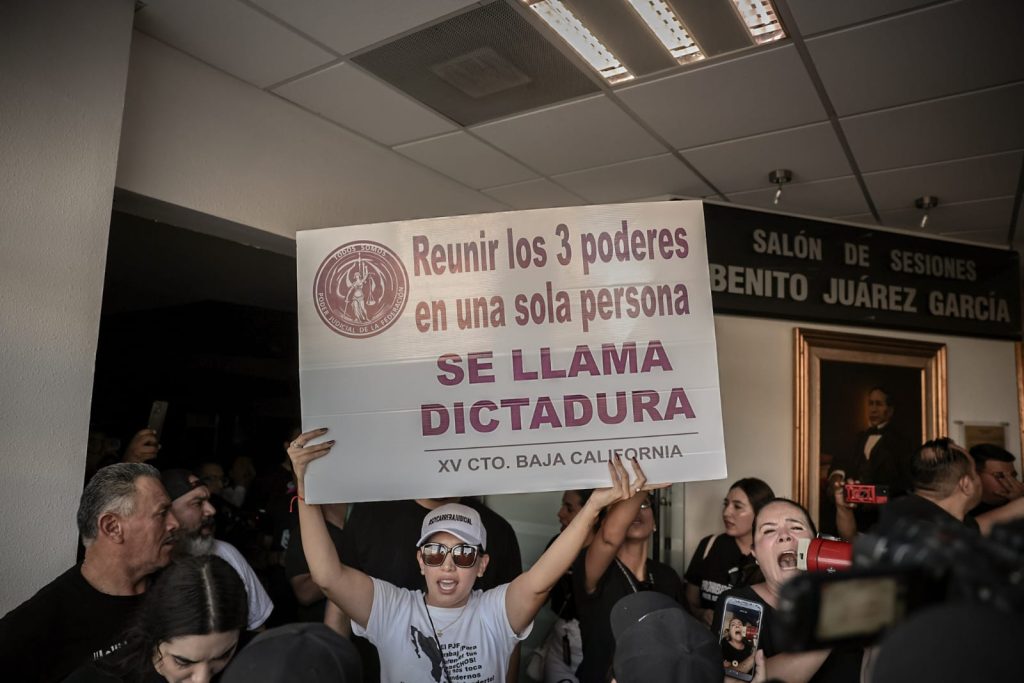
(741, 631)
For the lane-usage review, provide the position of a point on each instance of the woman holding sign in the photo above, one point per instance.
(451, 632)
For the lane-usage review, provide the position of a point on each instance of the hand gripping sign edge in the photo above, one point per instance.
(360, 289)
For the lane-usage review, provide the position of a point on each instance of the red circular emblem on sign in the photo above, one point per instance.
(361, 289)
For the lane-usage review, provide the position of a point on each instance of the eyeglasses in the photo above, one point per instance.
(463, 555)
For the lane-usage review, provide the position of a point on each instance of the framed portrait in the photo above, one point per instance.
(863, 403)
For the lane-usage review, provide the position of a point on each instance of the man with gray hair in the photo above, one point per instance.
(128, 530)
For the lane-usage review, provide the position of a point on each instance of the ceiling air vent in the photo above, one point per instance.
(480, 73)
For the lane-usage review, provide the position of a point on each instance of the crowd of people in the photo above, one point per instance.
(178, 581)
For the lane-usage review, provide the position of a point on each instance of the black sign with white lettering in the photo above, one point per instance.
(777, 266)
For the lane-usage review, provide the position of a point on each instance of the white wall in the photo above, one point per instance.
(62, 79)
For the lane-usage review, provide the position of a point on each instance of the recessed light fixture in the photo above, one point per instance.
(571, 29)
(668, 29)
(761, 20)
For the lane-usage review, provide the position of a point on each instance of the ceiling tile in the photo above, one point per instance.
(765, 90)
(824, 199)
(984, 214)
(663, 174)
(994, 237)
(358, 101)
(534, 194)
(232, 37)
(951, 182)
(813, 16)
(573, 136)
(984, 122)
(951, 48)
(811, 152)
(468, 160)
(353, 24)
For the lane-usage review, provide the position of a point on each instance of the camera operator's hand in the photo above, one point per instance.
(143, 447)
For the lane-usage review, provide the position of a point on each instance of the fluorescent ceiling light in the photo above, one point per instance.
(558, 17)
(660, 18)
(761, 20)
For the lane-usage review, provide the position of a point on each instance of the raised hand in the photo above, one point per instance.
(143, 447)
(301, 455)
(622, 488)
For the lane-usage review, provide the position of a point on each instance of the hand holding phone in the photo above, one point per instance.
(741, 631)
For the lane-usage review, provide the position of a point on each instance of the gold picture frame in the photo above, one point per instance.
(1019, 348)
(835, 372)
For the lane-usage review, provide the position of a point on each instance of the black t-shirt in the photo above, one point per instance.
(722, 569)
(731, 654)
(594, 610)
(561, 599)
(380, 539)
(916, 508)
(295, 564)
(67, 624)
(843, 663)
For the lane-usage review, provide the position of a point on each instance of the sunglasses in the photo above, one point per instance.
(463, 555)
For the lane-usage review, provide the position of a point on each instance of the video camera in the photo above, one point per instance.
(919, 563)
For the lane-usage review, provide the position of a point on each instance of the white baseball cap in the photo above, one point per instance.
(459, 520)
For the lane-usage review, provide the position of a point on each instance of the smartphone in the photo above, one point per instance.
(157, 414)
(741, 631)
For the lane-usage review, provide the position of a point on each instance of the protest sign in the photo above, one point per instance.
(509, 352)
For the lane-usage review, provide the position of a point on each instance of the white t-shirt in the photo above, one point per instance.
(477, 642)
(260, 605)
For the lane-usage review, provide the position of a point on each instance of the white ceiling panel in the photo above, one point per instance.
(827, 198)
(232, 37)
(762, 91)
(360, 102)
(534, 194)
(922, 55)
(351, 25)
(570, 137)
(468, 160)
(985, 122)
(663, 174)
(810, 152)
(814, 16)
(982, 215)
(951, 182)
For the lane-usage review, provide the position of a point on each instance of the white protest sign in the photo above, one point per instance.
(509, 352)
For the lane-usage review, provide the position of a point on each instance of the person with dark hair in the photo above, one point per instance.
(945, 486)
(999, 482)
(881, 456)
(296, 653)
(129, 531)
(778, 527)
(450, 632)
(656, 641)
(737, 652)
(190, 501)
(614, 565)
(186, 630)
(562, 650)
(724, 561)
